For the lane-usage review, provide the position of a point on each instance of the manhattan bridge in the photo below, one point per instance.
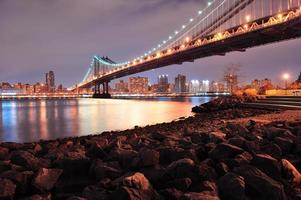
(222, 26)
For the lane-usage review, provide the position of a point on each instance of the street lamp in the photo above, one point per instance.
(286, 76)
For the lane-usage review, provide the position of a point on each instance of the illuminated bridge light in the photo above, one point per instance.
(187, 39)
(169, 51)
(182, 46)
(279, 16)
(248, 18)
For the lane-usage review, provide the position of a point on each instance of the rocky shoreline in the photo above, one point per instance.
(208, 156)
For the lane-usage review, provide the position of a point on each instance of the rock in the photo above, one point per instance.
(291, 171)
(217, 137)
(125, 157)
(221, 168)
(21, 179)
(237, 129)
(199, 196)
(25, 159)
(97, 149)
(148, 157)
(171, 194)
(237, 141)
(180, 184)
(224, 150)
(45, 179)
(259, 185)
(206, 170)
(170, 154)
(135, 187)
(73, 163)
(100, 170)
(209, 186)
(154, 175)
(272, 149)
(39, 197)
(95, 193)
(4, 153)
(232, 186)
(268, 165)
(12, 146)
(181, 169)
(7, 189)
(76, 198)
(285, 144)
(272, 132)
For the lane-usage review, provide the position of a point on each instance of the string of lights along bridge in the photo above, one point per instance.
(220, 27)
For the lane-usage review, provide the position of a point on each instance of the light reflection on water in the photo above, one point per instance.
(32, 120)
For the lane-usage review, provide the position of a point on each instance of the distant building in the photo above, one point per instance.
(231, 80)
(138, 85)
(262, 85)
(39, 88)
(205, 86)
(180, 84)
(299, 79)
(194, 86)
(121, 86)
(50, 81)
(163, 84)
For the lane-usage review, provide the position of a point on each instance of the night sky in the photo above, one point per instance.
(62, 35)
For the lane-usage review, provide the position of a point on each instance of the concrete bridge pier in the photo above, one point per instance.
(105, 91)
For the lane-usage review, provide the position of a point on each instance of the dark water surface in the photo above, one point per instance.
(32, 120)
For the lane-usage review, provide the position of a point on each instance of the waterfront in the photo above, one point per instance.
(32, 120)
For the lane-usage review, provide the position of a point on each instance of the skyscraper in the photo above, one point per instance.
(50, 81)
(138, 85)
(163, 83)
(180, 84)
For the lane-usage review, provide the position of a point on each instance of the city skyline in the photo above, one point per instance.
(70, 61)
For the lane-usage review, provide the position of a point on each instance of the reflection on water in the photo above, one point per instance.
(32, 120)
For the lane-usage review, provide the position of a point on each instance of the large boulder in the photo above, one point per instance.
(171, 154)
(224, 150)
(259, 185)
(171, 193)
(148, 157)
(7, 189)
(21, 179)
(45, 179)
(232, 186)
(94, 192)
(182, 168)
(100, 170)
(285, 144)
(25, 159)
(272, 132)
(127, 158)
(74, 163)
(272, 149)
(135, 187)
(268, 165)
(4, 152)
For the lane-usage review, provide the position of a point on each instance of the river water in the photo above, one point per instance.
(32, 120)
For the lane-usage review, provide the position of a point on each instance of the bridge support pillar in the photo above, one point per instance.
(105, 91)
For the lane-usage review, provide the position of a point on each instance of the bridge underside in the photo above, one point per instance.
(276, 33)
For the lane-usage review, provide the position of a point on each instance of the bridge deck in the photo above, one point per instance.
(238, 42)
